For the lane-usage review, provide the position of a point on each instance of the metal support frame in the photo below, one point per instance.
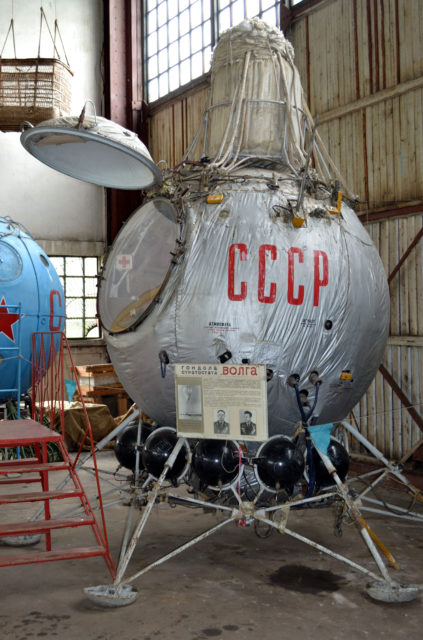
(383, 588)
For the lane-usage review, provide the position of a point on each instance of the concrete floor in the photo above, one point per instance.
(233, 585)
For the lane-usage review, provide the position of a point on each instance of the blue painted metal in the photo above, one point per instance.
(31, 300)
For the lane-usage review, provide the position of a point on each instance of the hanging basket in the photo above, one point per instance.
(33, 89)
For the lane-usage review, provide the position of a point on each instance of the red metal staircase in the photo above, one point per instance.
(37, 471)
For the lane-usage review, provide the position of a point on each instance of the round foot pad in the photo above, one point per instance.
(385, 592)
(110, 596)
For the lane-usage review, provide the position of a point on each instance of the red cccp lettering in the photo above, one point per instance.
(295, 291)
(264, 249)
(292, 298)
(242, 248)
(320, 280)
(52, 326)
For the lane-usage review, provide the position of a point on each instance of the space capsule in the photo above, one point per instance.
(248, 253)
(31, 301)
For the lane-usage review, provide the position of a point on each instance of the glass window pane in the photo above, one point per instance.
(269, 16)
(74, 328)
(238, 13)
(74, 308)
(92, 329)
(74, 266)
(74, 286)
(173, 30)
(195, 14)
(90, 307)
(265, 4)
(196, 40)
(184, 22)
(58, 264)
(174, 78)
(163, 84)
(153, 67)
(253, 8)
(224, 20)
(185, 71)
(206, 10)
(207, 58)
(206, 33)
(90, 287)
(163, 64)
(197, 64)
(152, 21)
(172, 9)
(162, 37)
(91, 266)
(162, 13)
(184, 47)
(153, 90)
(152, 44)
(174, 52)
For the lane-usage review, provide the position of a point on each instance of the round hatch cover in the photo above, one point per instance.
(97, 151)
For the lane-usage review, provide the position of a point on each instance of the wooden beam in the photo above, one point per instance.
(369, 101)
(405, 255)
(408, 405)
(393, 211)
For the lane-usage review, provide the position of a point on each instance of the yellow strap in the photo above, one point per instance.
(379, 543)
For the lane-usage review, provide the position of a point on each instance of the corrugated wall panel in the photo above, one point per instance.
(381, 417)
(173, 126)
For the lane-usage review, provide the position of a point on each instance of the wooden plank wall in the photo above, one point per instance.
(361, 63)
(380, 415)
(173, 126)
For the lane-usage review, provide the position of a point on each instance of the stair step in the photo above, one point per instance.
(42, 526)
(51, 556)
(14, 462)
(15, 433)
(13, 498)
(33, 468)
(20, 480)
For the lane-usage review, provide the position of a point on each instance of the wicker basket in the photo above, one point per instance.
(33, 89)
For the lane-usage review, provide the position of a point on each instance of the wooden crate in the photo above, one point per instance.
(100, 385)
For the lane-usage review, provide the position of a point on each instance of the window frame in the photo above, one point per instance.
(65, 278)
(215, 12)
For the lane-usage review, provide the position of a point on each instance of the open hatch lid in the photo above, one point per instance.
(93, 149)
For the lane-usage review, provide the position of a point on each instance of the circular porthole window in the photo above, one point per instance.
(10, 263)
(138, 266)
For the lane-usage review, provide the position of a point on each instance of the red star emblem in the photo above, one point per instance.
(7, 320)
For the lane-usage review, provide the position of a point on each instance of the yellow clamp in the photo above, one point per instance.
(337, 211)
(214, 198)
(297, 221)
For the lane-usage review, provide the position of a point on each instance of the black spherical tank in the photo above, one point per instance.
(278, 464)
(216, 462)
(126, 444)
(339, 457)
(157, 450)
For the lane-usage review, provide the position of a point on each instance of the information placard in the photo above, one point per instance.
(221, 401)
